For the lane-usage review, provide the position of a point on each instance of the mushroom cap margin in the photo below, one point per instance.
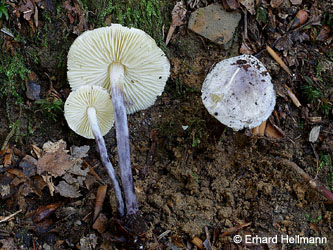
(146, 66)
(76, 107)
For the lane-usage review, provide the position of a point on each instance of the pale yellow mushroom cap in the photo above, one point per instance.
(76, 110)
(146, 67)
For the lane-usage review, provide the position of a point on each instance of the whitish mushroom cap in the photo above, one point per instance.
(146, 67)
(239, 93)
(76, 110)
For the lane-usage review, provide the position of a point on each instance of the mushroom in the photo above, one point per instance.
(89, 113)
(239, 93)
(128, 63)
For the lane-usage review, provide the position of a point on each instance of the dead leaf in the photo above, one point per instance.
(100, 223)
(45, 212)
(29, 165)
(67, 190)
(273, 131)
(178, 15)
(55, 161)
(27, 9)
(230, 5)
(249, 5)
(276, 3)
(100, 197)
(324, 34)
(314, 134)
(48, 181)
(8, 244)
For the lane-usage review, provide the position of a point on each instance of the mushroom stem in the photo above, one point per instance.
(92, 117)
(122, 134)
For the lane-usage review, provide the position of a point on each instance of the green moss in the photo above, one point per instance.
(148, 15)
(13, 73)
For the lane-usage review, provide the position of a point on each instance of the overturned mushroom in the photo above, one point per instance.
(128, 63)
(89, 113)
(238, 92)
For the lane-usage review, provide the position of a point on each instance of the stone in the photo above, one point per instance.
(214, 23)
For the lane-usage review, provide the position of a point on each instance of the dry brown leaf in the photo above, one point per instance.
(27, 9)
(48, 181)
(230, 4)
(100, 196)
(273, 131)
(101, 223)
(249, 5)
(323, 34)
(8, 159)
(276, 3)
(45, 212)
(67, 190)
(37, 151)
(178, 15)
(55, 161)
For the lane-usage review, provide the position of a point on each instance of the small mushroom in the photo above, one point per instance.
(128, 63)
(239, 93)
(89, 113)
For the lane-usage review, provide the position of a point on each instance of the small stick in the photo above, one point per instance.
(315, 184)
(292, 96)
(278, 59)
(10, 216)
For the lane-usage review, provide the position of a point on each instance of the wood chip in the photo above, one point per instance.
(277, 58)
(198, 242)
(293, 97)
(273, 131)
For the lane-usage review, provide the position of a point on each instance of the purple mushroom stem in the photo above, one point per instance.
(122, 134)
(104, 157)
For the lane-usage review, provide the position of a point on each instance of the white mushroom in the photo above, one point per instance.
(239, 93)
(89, 113)
(128, 63)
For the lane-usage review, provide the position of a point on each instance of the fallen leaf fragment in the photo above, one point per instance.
(50, 185)
(198, 242)
(301, 18)
(314, 134)
(45, 212)
(67, 190)
(29, 165)
(178, 15)
(324, 33)
(230, 5)
(100, 223)
(278, 59)
(100, 197)
(273, 131)
(276, 3)
(37, 151)
(55, 159)
(293, 97)
(249, 5)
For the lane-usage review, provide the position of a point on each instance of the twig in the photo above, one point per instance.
(278, 59)
(10, 216)
(313, 183)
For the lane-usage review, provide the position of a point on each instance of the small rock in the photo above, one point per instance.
(214, 23)
(33, 91)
